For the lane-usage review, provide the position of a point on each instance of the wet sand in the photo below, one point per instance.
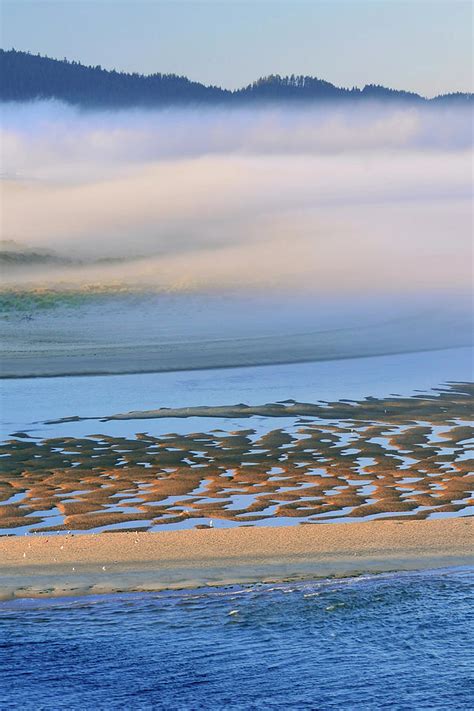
(49, 332)
(48, 566)
(55, 360)
(392, 457)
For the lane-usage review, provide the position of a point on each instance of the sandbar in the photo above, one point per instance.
(49, 565)
(55, 360)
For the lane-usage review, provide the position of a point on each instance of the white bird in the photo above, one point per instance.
(211, 524)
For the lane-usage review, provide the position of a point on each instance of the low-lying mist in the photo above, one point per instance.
(336, 198)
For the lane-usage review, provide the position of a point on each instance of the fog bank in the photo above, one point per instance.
(336, 198)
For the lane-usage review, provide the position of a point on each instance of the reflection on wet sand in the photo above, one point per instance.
(393, 457)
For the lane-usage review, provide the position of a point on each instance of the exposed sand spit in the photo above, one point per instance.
(49, 565)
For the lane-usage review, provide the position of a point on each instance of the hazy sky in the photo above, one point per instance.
(420, 45)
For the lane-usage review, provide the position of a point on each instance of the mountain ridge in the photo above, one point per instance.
(28, 77)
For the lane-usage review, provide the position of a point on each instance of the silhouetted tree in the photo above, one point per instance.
(24, 77)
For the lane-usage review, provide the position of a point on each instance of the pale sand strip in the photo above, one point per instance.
(224, 353)
(73, 565)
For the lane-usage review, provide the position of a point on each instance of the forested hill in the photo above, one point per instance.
(25, 77)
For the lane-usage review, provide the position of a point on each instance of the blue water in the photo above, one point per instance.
(400, 641)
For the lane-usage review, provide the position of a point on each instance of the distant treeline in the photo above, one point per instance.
(25, 77)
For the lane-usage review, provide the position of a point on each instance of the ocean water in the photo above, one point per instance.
(395, 641)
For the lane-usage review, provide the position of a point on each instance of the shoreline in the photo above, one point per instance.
(72, 565)
(179, 357)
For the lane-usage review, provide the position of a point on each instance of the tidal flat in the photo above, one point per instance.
(255, 463)
(123, 329)
(375, 458)
(290, 471)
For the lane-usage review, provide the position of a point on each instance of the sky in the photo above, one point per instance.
(418, 45)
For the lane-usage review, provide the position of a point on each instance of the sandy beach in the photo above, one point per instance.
(48, 566)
